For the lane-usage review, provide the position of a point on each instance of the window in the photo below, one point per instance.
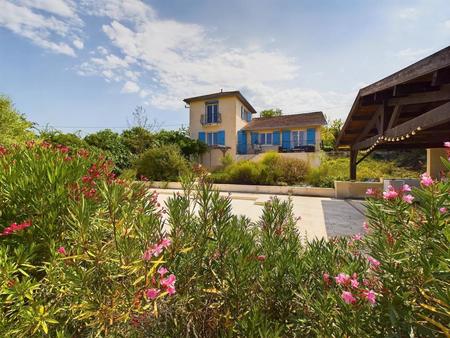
(212, 112)
(213, 139)
(298, 138)
(243, 115)
(265, 138)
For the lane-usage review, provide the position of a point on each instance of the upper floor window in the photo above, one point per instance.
(212, 112)
(245, 115)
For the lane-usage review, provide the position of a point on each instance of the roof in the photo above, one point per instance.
(287, 121)
(405, 94)
(236, 93)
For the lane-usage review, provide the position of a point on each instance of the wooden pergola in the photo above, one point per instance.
(408, 109)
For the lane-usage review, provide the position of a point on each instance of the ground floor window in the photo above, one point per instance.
(298, 138)
(212, 139)
(265, 138)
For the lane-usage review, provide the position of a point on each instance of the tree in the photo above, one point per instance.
(73, 140)
(111, 143)
(137, 139)
(189, 147)
(271, 112)
(14, 127)
(330, 133)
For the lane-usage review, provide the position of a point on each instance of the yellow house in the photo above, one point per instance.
(225, 122)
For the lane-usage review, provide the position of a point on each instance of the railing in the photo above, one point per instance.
(262, 148)
(204, 119)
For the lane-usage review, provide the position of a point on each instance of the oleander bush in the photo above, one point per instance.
(85, 254)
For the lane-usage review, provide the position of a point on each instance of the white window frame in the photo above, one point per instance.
(297, 132)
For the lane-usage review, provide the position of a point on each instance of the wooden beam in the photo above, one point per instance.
(369, 126)
(366, 143)
(441, 76)
(419, 98)
(353, 164)
(432, 118)
(394, 116)
(361, 118)
(414, 87)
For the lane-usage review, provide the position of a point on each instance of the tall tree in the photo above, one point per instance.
(14, 127)
(271, 112)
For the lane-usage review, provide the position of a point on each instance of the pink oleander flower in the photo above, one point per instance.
(354, 283)
(366, 227)
(171, 290)
(375, 263)
(326, 278)
(169, 281)
(443, 210)
(165, 242)
(357, 237)
(261, 258)
(153, 251)
(348, 297)
(152, 293)
(342, 279)
(447, 144)
(390, 194)
(370, 192)
(62, 250)
(15, 227)
(406, 188)
(426, 180)
(408, 198)
(370, 296)
(162, 271)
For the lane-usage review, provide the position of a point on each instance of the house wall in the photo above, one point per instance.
(230, 110)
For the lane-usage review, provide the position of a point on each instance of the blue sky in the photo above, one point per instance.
(85, 65)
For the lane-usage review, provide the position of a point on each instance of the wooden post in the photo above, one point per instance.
(353, 156)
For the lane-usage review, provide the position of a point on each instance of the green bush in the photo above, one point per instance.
(14, 127)
(165, 163)
(272, 169)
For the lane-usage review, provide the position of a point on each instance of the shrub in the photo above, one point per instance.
(99, 271)
(14, 127)
(164, 163)
(291, 170)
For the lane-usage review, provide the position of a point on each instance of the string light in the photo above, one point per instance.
(382, 139)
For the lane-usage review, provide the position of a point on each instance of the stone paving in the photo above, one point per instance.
(321, 217)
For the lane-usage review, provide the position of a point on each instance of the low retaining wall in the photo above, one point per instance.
(346, 189)
(258, 189)
(342, 189)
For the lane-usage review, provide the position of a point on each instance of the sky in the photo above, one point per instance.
(85, 65)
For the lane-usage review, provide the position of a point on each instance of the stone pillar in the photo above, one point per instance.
(434, 163)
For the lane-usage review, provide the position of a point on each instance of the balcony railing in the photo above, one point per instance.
(204, 119)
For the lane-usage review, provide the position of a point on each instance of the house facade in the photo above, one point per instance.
(226, 122)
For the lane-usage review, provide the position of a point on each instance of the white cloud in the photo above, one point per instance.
(130, 87)
(447, 24)
(43, 30)
(65, 8)
(78, 43)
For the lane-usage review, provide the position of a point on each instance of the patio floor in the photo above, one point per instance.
(321, 217)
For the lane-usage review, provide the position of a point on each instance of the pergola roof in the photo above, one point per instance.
(408, 109)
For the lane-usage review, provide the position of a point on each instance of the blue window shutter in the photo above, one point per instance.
(242, 142)
(202, 136)
(249, 116)
(276, 137)
(286, 139)
(215, 138)
(254, 138)
(269, 138)
(221, 137)
(311, 136)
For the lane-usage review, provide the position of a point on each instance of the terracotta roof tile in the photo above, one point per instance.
(287, 121)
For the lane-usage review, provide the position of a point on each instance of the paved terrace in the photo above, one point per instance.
(321, 217)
